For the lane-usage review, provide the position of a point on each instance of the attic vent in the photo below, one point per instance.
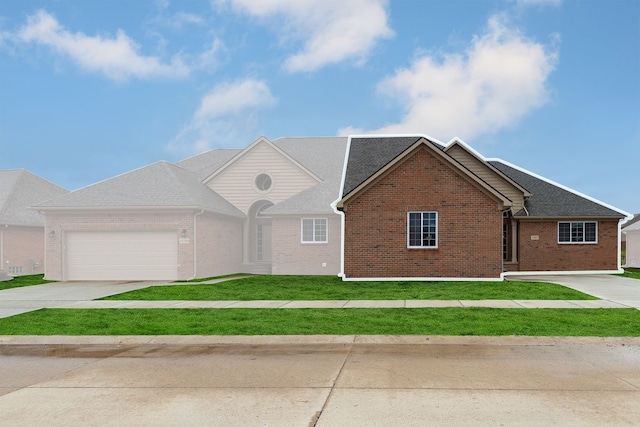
(263, 182)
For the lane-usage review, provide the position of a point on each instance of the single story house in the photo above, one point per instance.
(360, 207)
(631, 235)
(22, 229)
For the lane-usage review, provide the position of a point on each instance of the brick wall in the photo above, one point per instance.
(219, 246)
(544, 253)
(469, 224)
(290, 256)
(22, 250)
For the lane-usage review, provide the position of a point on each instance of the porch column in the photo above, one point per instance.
(514, 240)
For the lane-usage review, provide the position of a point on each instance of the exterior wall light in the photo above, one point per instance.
(52, 233)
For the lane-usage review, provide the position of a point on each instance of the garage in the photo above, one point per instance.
(116, 255)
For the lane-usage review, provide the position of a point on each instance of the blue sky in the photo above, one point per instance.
(89, 90)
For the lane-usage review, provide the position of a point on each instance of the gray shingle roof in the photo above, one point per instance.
(20, 189)
(633, 224)
(324, 157)
(548, 200)
(203, 165)
(368, 155)
(160, 184)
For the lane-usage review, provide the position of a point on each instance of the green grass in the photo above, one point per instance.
(404, 321)
(333, 288)
(633, 273)
(206, 279)
(17, 282)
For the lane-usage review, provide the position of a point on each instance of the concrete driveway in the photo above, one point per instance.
(28, 298)
(621, 290)
(321, 381)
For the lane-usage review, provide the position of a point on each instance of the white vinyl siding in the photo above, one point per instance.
(422, 230)
(577, 232)
(116, 255)
(314, 230)
(238, 185)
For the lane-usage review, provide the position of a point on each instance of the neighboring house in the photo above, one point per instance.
(22, 229)
(216, 213)
(362, 207)
(631, 235)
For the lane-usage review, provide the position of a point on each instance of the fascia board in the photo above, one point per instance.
(261, 140)
(127, 209)
(625, 214)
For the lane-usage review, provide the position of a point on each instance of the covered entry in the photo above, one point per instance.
(121, 255)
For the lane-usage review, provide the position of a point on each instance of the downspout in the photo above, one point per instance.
(195, 243)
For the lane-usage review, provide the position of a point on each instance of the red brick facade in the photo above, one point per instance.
(539, 249)
(469, 224)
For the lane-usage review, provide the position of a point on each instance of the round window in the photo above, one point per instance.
(263, 182)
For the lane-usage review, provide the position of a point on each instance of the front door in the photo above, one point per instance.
(263, 243)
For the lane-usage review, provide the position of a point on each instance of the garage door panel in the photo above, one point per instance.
(122, 255)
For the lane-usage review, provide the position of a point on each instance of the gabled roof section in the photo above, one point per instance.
(459, 143)
(549, 199)
(325, 158)
(20, 189)
(203, 165)
(159, 185)
(368, 155)
(369, 158)
(241, 154)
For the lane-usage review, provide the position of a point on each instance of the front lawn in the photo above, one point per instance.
(633, 273)
(333, 288)
(19, 281)
(356, 321)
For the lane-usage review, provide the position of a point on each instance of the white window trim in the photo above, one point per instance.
(437, 231)
(314, 242)
(583, 227)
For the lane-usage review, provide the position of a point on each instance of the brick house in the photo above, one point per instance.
(414, 208)
(22, 229)
(360, 207)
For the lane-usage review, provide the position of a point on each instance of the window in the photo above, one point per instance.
(578, 232)
(314, 230)
(263, 182)
(15, 270)
(422, 229)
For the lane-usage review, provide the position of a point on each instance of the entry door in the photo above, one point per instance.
(263, 242)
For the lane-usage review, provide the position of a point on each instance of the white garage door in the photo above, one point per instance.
(146, 255)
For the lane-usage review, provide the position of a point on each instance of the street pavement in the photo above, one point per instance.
(321, 381)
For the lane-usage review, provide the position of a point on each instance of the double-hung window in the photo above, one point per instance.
(578, 232)
(314, 230)
(422, 229)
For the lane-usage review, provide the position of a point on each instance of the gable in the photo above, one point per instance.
(236, 182)
(489, 174)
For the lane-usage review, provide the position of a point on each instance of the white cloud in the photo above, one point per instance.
(494, 83)
(224, 113)
(332, 31)
(115, 57)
